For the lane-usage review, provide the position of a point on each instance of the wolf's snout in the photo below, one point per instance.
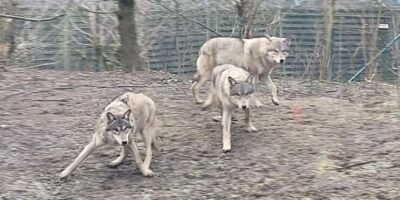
(244, 107)
(281, 61)
(124, 142)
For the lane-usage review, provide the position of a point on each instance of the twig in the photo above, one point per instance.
(355, 165)
(11, 95)
(62, 100)
(192, 20)
(97, 12)
(31, 19)
(40, 65)
(120, 86)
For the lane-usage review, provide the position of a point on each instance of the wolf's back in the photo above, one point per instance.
(224, 50)
(143, 108)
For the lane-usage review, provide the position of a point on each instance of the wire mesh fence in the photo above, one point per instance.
(341, 45)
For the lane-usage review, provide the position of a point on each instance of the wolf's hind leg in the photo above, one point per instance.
(155, 144)
(121, 157)
(138, 160)
(196, 86)
(250, 126)
(208, 102)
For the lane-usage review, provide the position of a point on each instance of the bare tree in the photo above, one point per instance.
(10, 33)
(129, 49)
(246, 13)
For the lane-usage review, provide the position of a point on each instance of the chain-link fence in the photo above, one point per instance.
(359, 30)
(337, 38)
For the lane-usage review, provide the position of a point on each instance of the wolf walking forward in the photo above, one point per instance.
(127, 115)
(232, 87)
(259, 56)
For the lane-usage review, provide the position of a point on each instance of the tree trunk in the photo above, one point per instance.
(129, 50)
(326, 51)
(246, 13)
(10, 32)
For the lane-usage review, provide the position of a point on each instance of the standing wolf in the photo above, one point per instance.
(258, 56)
(232, 87)
(127, 115)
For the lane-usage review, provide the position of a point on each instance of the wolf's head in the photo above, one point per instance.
(241, 91)
(276, 50)
(119, 126)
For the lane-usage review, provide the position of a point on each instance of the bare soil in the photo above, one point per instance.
(313, 146)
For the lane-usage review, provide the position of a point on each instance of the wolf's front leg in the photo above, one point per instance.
(272, 88)
(247, 115)
(226, 129)
(93, 145)
(138, 160)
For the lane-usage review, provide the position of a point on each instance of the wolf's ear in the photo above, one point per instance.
(268, 37)
(126, 114)
(110, 117)
(232, 81)
(288, 40)
(250, 79)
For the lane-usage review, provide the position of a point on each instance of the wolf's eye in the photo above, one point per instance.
(235, 94)
(115, 131)
(274, 51)
(127, 127)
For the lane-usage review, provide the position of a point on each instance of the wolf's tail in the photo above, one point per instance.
(124, 98)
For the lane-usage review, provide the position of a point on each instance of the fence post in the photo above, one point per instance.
(328, 24)
(65, 44)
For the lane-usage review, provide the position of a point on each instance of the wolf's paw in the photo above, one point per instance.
(114, 163)
(275, 101)
(258, 104)
(204, 107)
(199, 102)
(147, 172)
(226, 148)
(251, 129)
(216, 118)
(64, 174)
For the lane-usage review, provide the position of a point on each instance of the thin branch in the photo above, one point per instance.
(355, 165)
(89, 36)
(32, 19)
(62, 100)
(192, 20)
(81, 7)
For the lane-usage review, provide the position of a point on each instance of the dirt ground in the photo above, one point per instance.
(316, 145)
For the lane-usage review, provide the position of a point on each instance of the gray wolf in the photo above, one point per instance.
(259, 56)
(124, 117)
(232, 88)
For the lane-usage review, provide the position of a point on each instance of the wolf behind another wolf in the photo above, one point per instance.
(127, 115)
(258, 56)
